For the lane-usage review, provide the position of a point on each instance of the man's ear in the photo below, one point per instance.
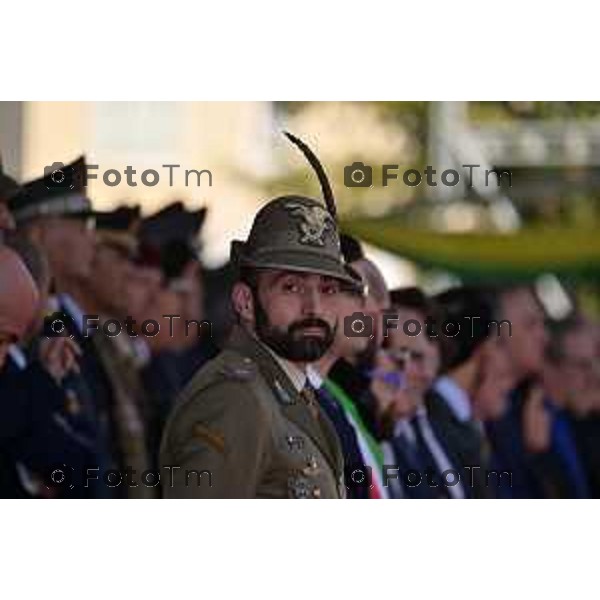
(243, 301)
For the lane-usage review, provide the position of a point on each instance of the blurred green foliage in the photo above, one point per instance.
(564, 196)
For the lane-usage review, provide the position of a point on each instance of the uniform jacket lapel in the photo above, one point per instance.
(292, 404)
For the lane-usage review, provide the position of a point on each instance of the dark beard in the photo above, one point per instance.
(291, 344)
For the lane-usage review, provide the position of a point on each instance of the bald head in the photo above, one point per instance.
(378, 300)
(372, 275)
(19, 298)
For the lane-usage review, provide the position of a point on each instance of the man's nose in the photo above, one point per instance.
(311, 300)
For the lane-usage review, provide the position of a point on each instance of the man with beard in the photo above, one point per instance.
(248, 424)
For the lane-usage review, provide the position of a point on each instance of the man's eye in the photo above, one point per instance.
(330, 290)
(291, 287)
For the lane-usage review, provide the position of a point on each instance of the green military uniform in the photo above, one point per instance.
(245, 427)
(243, 423)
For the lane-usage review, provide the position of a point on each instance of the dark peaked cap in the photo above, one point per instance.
(172, 223)
(122, 218)
(169, 238)
(117, 228)
(43, 198)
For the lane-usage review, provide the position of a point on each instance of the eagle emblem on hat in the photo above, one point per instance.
(315, 221)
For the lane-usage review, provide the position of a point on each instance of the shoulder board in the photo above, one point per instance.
(239, 368)
(226, 367)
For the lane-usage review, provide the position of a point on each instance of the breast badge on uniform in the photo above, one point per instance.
(72, 403)
(300, 487)
(295, 442)
(312, 466)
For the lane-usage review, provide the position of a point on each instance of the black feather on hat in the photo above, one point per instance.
(315, 163)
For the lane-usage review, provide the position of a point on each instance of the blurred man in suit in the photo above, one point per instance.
(571, 379)
(50, 444)
(466, 337)
(415, 444)
(363, 458)
(353, 373)
(533, 439)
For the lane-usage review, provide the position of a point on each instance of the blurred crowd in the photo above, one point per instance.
(508, 406)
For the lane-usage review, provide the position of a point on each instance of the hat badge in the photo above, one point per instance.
(315, 221)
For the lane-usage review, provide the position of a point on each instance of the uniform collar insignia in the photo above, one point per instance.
(282, 394)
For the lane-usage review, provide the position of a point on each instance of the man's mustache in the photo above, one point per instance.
(311, 322)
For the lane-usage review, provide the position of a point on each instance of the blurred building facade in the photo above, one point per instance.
(232, 140)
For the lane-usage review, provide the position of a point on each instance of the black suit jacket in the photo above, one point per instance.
(465, 443)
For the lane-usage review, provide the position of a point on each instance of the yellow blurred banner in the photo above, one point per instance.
(520, 255)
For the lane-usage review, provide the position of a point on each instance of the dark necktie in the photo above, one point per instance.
(309, 396)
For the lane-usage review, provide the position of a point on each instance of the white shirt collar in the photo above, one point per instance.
(456, 398)
(18, 356)
(296, 375)
(314, 377)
